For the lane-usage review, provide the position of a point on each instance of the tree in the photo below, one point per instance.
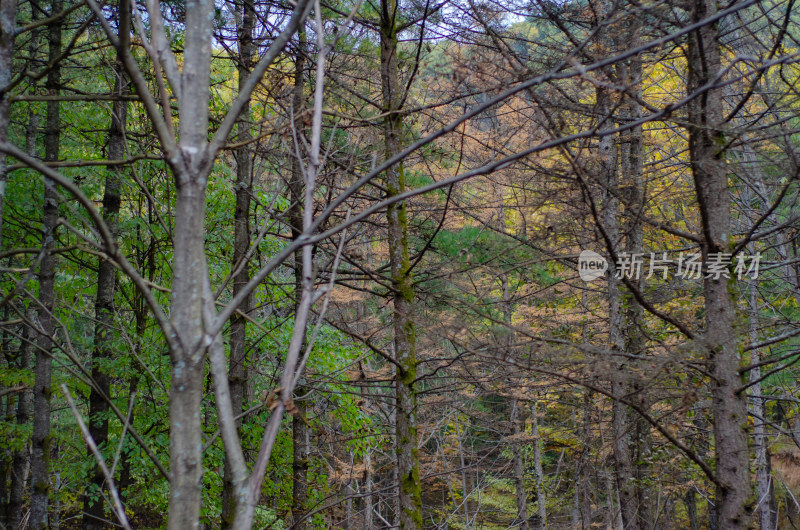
(100, 395)
(711, 184)
(40, 451)
(244, 184)
(409, 487)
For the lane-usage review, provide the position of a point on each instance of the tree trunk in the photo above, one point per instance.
(691, 509)
(237, 375)
(608, 155)
(541, 500)
(190, 272)
(614, 518)
(768, 517)
(629, 74)
(300, 432)
(519, 468)
(20, 466)
(465, 489)
(8, 23)
(189, 268)
(576, 498)
(622, 177)
(20, 463)
(760, 439)
(40, 458)
(300, 452)
(585, 480)
(711, 185)
(368, 516)
(623, 460)
(410, 489)
(93, 506)
(8, 404)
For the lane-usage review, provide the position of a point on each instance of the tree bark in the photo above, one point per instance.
(187, 365)
(768, 518)
(623, 459)
(621, 168)
(541, 499)
(519, 468)
(300, 452)
(40, 457)
(93, 505)
(629, 74)
(20, 461)
(8, 23)
(410, 489)
(584, 475)
(237, 375)
(368, 502)
(691, 509)
(466, 491)
(21, 465)
(711, 185)
(190, 272)
(300, 432)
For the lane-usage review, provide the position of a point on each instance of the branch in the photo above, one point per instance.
(227, 419)
(118, 509)
(105, 234)
(166, 139)
(220, 137)
(91, 163)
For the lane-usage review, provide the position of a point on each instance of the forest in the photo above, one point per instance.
(372, 264)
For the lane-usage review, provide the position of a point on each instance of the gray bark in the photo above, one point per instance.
(711, 185)
(621, 175)
(608, 159)
(189, 272)
(301, 448)
(40, 455)
(187, 364)
(623, 459)
(768, 518)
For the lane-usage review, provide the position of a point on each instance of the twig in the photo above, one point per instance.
(124, 432)
(118, 509)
